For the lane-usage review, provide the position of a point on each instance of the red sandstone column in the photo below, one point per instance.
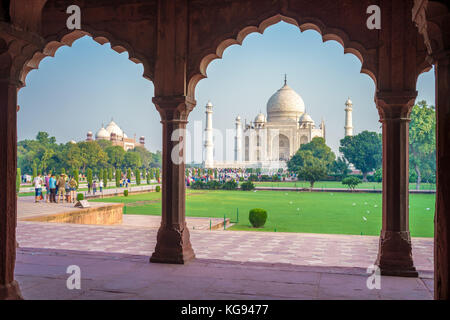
(394, 255)
(173, 241)
(9, 288)
(442, 216)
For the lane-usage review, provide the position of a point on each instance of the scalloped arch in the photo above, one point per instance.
(53, 43)
(365, 56)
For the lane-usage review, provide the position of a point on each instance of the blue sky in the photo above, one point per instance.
(88, 84)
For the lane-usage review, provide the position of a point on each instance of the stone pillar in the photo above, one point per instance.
(173, 240)
(394, 255)
(9, 288)
(442, 216)
(238, 141)
(348, 118)
(209, 142)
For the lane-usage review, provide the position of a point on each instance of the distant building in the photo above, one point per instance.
(117, 136)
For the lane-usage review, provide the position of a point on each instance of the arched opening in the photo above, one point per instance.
(86, 110)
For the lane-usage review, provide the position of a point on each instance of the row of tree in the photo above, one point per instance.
(46, 155)
(315, 161)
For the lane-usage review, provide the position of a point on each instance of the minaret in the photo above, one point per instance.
(209, 143)
(238, 141)
(348, 118)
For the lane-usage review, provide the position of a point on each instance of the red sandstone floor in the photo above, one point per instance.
(229, 265)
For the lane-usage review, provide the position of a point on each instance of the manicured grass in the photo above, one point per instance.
(338, 184)
(308, 212)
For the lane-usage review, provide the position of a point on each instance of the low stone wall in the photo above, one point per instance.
(102, 215)
(336, 190)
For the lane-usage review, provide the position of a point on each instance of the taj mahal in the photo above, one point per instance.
(270, 141)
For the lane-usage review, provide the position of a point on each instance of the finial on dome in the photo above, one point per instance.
(285, 79)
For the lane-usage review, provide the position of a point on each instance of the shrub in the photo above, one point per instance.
(80, 196)
(247, 186)
(158, 189)
(213, 185)
(257, 217)
(275, 178)
(241, 179)
(230, 185)
(118, 176)
(125, 193)
(351, 182)
(198, 185)
(137, 174)
(253, 177)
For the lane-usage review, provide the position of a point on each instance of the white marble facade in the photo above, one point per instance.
(270, 140)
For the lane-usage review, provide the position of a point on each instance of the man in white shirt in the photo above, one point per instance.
(37, 182)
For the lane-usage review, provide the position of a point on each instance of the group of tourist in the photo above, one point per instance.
(57, 189)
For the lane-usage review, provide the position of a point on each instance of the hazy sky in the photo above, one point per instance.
(88, 84)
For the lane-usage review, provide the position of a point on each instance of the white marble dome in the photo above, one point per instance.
(102, 134)
(285, 104)
(112, 127)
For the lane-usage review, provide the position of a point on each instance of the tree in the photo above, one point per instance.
(422, 141)
(313, 169)
(364, 151)
(116, 156)
(132, 160)
(76, 176)
(351, 182)
(318, 149)
(129, 174)
(340, 167)
(105, 178)
(92, 155)
(34, 172)
(110, 173)
(148, 177)
(157, 175)
(137, 173)
(89, 176)
(118, 177)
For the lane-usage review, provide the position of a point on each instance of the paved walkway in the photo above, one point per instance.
(229, 265)
(27, 208)
(267, 247)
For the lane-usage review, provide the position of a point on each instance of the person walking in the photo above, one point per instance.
(100, 184)
(47, 187)
(37, 182)
(52, 185)
(73, 188)
(94, 187)
(61, 184)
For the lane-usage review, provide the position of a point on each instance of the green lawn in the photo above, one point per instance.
(309, 212)
(338, 184)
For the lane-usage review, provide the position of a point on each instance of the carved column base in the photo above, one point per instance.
(173, 246)
(10, 291)
(395, 254)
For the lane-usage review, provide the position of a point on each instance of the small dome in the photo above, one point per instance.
(89, 133)
(306, 118)
(348, 102)
(260, 118)
(209, 104)
(72, 142)
(238, 118)
(102, 134)
(112, 127)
